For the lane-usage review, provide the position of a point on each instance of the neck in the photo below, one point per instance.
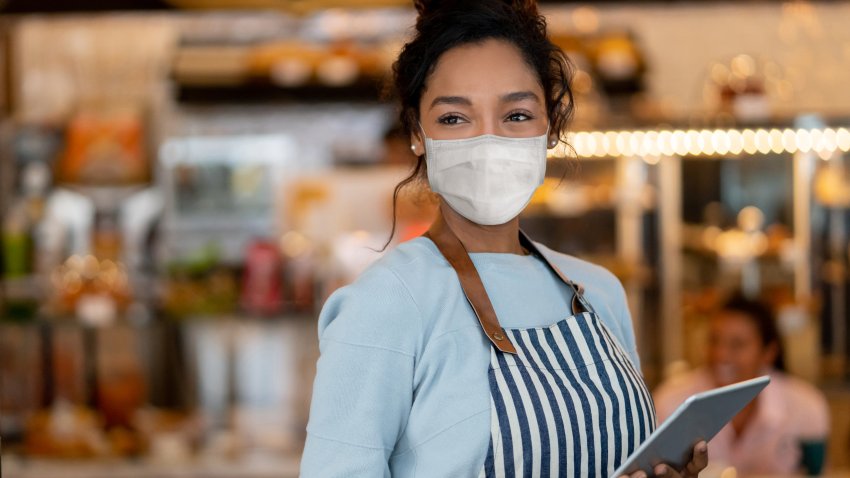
(744, 418)
(502, 238)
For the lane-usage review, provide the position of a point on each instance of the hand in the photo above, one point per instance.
(699, 460)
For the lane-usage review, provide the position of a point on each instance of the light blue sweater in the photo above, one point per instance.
(401, 387)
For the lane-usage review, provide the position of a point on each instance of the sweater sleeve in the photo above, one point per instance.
(363, 390)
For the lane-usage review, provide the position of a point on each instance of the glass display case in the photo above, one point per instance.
(762, 211)
(222, 190)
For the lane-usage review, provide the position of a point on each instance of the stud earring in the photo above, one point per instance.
(413, 148)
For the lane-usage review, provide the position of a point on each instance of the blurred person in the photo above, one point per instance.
(785, 428)
(472, 350)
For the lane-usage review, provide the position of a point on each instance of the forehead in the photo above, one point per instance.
(478, 70)
(734, 320)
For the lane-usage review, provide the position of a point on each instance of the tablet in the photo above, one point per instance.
(699, 418)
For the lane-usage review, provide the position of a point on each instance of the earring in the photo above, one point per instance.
(552, 143)
(413, 148)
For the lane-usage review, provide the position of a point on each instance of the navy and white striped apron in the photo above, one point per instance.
(566, 399)
(569, 404)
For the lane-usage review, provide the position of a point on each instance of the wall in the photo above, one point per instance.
(809, 41)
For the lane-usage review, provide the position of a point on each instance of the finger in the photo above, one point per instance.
(665, 471)
(699, 460)
(637, 474)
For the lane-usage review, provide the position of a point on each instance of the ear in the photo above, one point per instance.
(416, 144)
(552, 141)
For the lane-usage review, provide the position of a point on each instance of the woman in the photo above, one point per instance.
(470, 351)
(785, 427)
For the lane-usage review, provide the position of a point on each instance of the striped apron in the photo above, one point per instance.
(566, 400)
(568, 404)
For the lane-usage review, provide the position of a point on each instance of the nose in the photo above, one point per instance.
(488, 126)
(718, 354)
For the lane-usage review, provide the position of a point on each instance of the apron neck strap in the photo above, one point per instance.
(456, 254)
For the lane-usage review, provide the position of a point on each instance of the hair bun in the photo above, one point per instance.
(426, 7)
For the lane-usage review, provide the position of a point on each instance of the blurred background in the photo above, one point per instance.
(183, 183)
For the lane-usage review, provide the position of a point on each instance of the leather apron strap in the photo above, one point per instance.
(473, 288)
(455, 252)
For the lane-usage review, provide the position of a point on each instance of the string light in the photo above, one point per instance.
(842, 138)
(750, 146)
(789, 141)
(606, 144)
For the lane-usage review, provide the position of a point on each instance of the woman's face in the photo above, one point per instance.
(481, 88)
(735, 349)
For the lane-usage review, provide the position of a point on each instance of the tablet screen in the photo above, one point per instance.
(699, 418)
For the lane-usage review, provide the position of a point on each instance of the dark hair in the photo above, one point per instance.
(761, 315)
(446, 24)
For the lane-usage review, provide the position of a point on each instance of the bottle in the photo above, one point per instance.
(261, 281)
(106, 240)
(17, 243)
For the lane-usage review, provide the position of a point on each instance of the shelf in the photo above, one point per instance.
(272, 467)
(366, 90)
(23, 288)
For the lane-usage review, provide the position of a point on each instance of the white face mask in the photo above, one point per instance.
(487, 179)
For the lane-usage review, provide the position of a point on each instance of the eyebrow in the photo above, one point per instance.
(451, 100)
(519, 96)
(506, 98)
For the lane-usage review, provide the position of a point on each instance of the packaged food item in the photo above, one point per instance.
(95, 291)
(65, 431)
(121, 385)
(299, 271)
(261, 282)
(21, 380)
(105, 146)
(106, 240)
(67, 383)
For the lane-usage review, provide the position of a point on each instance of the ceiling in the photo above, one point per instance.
(292, 6)
(295, 6)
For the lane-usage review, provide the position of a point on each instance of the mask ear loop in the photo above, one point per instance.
(422, 130)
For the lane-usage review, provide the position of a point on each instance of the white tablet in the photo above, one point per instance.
(699, 418)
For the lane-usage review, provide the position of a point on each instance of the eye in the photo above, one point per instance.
(518, 116)
(450, 119)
